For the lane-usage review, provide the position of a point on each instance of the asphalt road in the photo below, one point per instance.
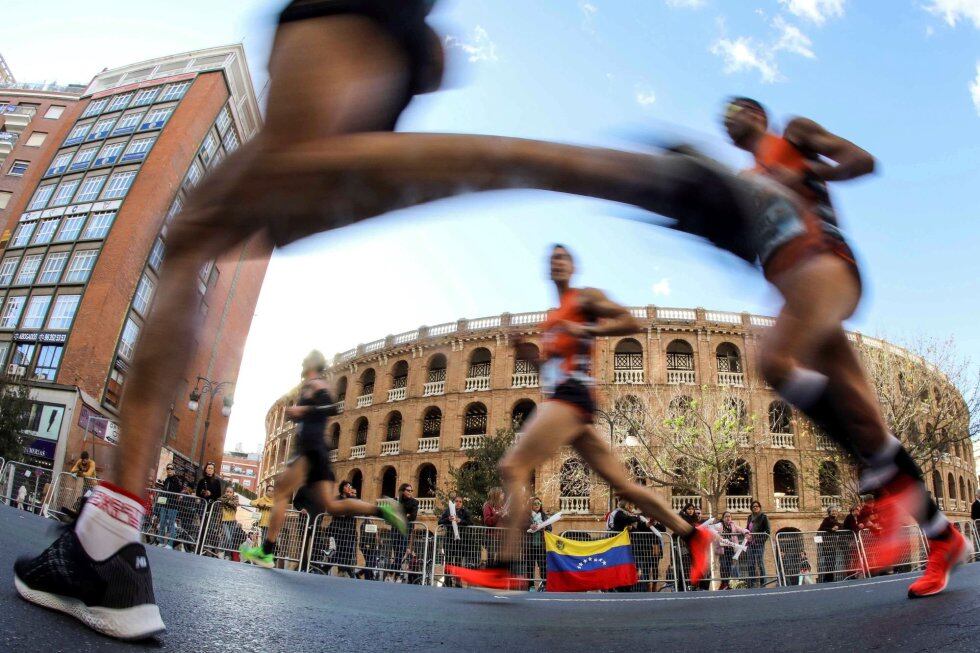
(213, 606)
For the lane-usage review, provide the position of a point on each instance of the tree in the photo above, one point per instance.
(245, 492)
(474, 478)
(15, 407)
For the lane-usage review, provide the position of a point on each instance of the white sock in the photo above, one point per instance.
(110, 520)
(802, 387)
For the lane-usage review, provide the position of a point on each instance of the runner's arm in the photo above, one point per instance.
(616, 320)
(850, 161)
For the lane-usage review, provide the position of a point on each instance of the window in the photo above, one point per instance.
(48, 360)
(11, 312)
(54, 112)
(127, 124)
(118, 184)
(109, 154)
(36, 308)
(60, 164)
(138, 149)
(144, 295)
(28, 270)
(99, 225)
(101, 129)
(208, 147)
(41, 197)
(45, 232)
(4, 350)
(5, 196)
(36, 139)
(230, 140)
(83, 158)
(23, 354)
(18, 168)
(23, 235)
(127, 341)
(81, 266)
(146, 96)
(155, 118)
(156, 255)
(174, 91)
(63, 312)
(174, 209)
(65, 191)
(90, 188)
(224, 119)
(53, 265)
(95, 107)
(194, 174)
(7, 269)
(119, 102)
(77, 133)
(28, 108)
(70, 228)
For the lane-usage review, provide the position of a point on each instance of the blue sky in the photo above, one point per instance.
(900, 78)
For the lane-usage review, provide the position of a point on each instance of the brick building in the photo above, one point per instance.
(416, 401)
(242, 468)
(88, 234)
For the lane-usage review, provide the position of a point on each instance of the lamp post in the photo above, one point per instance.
(206, 386)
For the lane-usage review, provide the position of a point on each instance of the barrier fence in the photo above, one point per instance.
(65, 497)
(653, 555)
(175, 520)
(819, 557)
(914, 551)
(476, 546)
(226, 530)
(737, 561)
(25, 486)
(969, 530)
(368, 548)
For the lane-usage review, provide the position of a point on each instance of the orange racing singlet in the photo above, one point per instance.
(565, 356)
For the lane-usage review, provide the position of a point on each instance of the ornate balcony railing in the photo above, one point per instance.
(341, 405)
(739, 503)
(783, 440)
(824, 442)
(477, 383)
(332, 456)
(830, 501)
(364, 401)
(628, 377)
(434, 388)
(787, 503)
(941, 502)
(390, 448)
(427, 505)
(471, 441)
(578, 505)
(358, 451)
(397, 394)
(731, 378)
(524, 380)
(428, 445)
(681, 377)
(678, 503)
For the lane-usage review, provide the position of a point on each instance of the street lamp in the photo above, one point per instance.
(206, 386)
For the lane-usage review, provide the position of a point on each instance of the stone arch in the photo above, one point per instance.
(432, 422)
(393, 426)
(475, 419)
(428, 478)
(780, 417)
(574, 480)
(828, 479)
(361, 431)
(356, 478)
(399, 375)
(728, 357)
(740, 482)
(366, 382)
(520, 412)
(389, 482)
(785, 479)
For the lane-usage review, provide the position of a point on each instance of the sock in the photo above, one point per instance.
(268, 546)
(110, 520)
(809, 391)
(934, 524)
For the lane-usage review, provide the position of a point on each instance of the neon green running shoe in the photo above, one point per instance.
(394, 515)
(257, 556)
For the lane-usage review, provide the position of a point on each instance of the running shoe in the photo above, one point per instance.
(257, 556)
(699, 545)
(113, 596)
(944, 556)
(895, 502)
(394, 515)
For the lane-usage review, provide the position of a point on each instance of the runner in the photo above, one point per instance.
(310, 466)
(806, 355)
(566, 418)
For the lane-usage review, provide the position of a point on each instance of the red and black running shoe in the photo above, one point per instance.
(944, 556)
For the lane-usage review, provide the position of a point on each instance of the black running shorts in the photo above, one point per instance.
(577, 395)
(317, 457)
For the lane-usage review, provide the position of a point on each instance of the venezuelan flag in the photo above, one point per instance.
(583, 566)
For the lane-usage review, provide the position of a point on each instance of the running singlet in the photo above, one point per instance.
(566, 357)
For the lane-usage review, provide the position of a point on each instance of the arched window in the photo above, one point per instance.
(636, 471)
(432, 423)
(399, 381)
(356, 479)
(361, 431)
(937, 486)
(740, 482)
(628, 362)
(525, 366)
(574, 480)
(629, 416)
(828, 477)
(780, 416)
(342, 388)
(436, 370)
(729, 363)
(784, 478)
(389, 482)
(393, 429)
(680, 362)
(427, 481)
(475, 419)
(522, 410)
(951, 486)
(367, 388)
(334, 436)
(479, 364)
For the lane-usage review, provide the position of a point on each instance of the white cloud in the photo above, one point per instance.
(661, 288)
(589, 10)
(479, 46)
(791, 39)
(952, 11)
(687, 4)
(975, 90)
(644, 95)
(743, 54)
(816, 11)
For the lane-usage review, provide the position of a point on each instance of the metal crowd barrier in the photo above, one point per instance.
(368, 548)
(654, 558)
(970, 531)
(175, 520)
(222, 538)
(912, 558)
(65, 497)
(819, 556)
(756, 565)
(476, 546)
(25, 486)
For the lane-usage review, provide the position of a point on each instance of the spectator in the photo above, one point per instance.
(731, 537)
(370, 545)
(853, 521)
(535, 554)
(84, 467)
(341, 536)
(229, 522)
(399, 542)
(455, 553)
(190, 511)
(759, 531)
(264, 505)
(166, 505)
(689, 514)
(622, 517)
(209, 486)
(830, 549)
(975, 508)
(493, 512)
(698, 519)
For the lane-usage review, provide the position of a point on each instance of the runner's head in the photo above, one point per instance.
(562, 265)
(745, 120)
(314, 363)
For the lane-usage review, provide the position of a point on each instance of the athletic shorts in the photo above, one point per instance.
(403, 19)
(318, 461)
(798, 250)
(577, 395)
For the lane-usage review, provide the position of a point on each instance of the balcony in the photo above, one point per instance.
(477, 383)
(390, 448)
(830, 501)
(434, 388)
(397, 394)
(630, 377)
(340, 406)
(427, 505)
(358, 451)
(471, 441)
(677, 503)
(365, 400)
(7, 141)
(787, 503)
(428, 445)
(823, 442)
(731, 378)
(17, 120)
(574, 505)
(524, 380)
(332, 456)
(782, 440)
(736, 503)
(941, 502)
(743, 440)
(681, 377)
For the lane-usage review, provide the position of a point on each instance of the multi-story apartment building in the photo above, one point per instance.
(242, 468)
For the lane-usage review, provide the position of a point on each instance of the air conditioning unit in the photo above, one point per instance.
(16, 370)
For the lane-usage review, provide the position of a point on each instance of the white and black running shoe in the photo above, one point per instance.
(113, 597)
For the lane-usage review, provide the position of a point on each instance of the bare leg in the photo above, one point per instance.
(286, 485)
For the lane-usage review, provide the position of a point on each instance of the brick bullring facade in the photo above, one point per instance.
(415, 402)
